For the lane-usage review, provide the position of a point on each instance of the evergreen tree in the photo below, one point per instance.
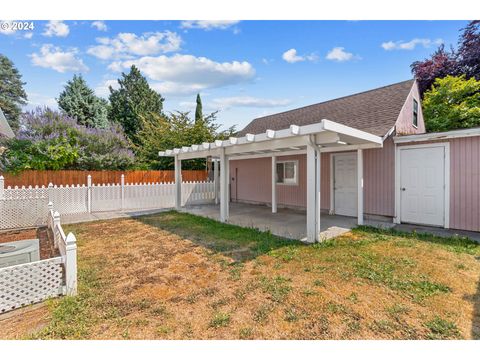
(12, 94)
(78, 101)
(133, 100)
(198, 109)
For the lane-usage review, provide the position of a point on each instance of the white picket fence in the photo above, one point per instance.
(34, 282)
(27, 206)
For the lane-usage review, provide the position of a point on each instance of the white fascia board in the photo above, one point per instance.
(199, 154)
(278, 154)
(347, 130)
(329, 149)
(437, 136)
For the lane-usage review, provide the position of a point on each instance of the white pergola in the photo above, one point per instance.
(312, 140)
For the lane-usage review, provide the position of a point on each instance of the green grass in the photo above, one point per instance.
(220, 319)
(442, 329)
(239, 243)
(458, 244)
(391, 273)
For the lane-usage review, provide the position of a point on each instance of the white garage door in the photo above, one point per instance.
(345, 184)
(422, 185)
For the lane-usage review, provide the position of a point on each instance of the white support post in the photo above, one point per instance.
(178, 183)
(223, 187)
(215, 179)
(312, 235)
(56, 225)
(122, 189)
(227, 197)
(360, 186)
(274, 184)
(89, 193)
(2, 187)
(71, 264)
(318, 192)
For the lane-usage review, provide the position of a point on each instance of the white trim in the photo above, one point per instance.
(274, 184)
(347, 130)
(268, 154)
(446, 202)
(360, 187)
(332, 202)
(437, 136)
(295, 183)
(349, 148)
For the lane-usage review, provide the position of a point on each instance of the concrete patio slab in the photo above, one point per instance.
(287, 223)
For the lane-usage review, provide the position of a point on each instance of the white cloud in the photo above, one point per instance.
(103, 89)
(291, 56)
(35, 100)
(126, 45)
(339, 54)
(55, 58)
(187, 74)
(56, 28)
(208, 24)
(99, 25)
(28, 35)
(249, 101)
(410, 45)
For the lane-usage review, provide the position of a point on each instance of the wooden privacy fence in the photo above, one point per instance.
(79, 177)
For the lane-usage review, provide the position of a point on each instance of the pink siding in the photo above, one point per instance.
(379, 179)
(404, 124)
(254, 181)
(464, 182)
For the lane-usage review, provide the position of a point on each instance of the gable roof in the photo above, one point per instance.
(374, 111)
(5, 129)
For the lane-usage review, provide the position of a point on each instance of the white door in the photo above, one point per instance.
(345, 184)
(422, 185)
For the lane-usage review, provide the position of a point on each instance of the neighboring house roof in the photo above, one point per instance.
(374, 111)
(5, 129)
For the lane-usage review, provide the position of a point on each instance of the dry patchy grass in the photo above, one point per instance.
(178, 276)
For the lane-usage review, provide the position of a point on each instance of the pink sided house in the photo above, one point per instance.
(365, 156)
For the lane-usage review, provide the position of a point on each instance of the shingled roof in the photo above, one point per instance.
(374, 111)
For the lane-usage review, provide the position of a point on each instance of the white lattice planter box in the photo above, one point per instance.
(30, 283)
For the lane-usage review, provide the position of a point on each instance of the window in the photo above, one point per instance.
(287, 173)
(415, 113)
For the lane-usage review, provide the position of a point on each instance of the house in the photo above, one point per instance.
(365, 155)
(5, 129)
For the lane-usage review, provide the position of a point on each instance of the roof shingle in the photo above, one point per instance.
(374, 111)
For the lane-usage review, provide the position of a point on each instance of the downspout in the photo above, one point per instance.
(311, 141)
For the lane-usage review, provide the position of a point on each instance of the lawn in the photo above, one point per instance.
(179, 276)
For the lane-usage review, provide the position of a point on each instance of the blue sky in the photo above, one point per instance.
(243, 69)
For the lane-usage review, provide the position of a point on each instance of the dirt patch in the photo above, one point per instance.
(142, 279)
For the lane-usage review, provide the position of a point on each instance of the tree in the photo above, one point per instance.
(198, 109)
(12, 94)
(51, 140)
(78, 101)
(452, 103)
(465, 60)
(469, 50)
(133, 100)
(439, 65)
(161, 132)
